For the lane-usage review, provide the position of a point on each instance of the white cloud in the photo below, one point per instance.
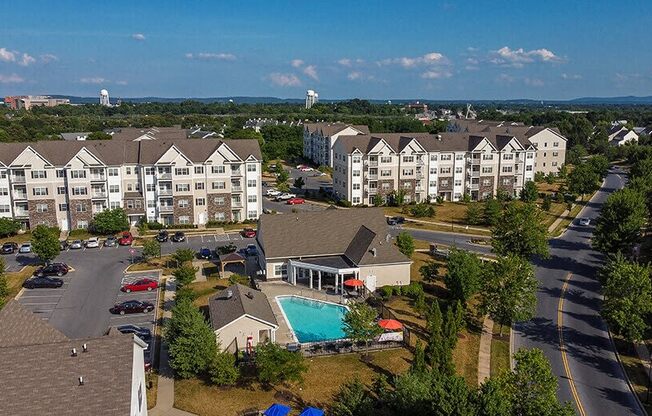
(121, 83)
(355, 75)
(517, 58)
(7, 56)
(571, 76)
(534, 82)
(505, 79)
(285, 80)
(48, 57)
(436, 74)
(311, 71)
(344, 62)
(26, 60)
(93, 80)
(23, 59)
(209, 56)
(408, 62)
(11, 79)
(297, 63)
(138, 36)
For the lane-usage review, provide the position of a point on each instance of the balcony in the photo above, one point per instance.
(165, 176)
(372, 176)
(96, 178)
(236, 204)
(373, 163)
(236, 172)
(21, 213)
(473, 173)
(236, 188)
(166, 208)
(20, 195)
(97, 210)
(98, 195)
(18, 179)
(165, 191)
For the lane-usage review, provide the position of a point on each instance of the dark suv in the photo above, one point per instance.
(9, 248)
(162, 236)
(53, 269)
(178, 237)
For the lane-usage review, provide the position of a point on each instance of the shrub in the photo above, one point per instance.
(238, 278)
(8, 227)
(222, 369)
(153, 225)
(77, 232)
(184, 275)
(412, 290)
(386, 292)
(344, 203)
(422, 210)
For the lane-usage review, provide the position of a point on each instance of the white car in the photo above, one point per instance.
(306, 169)
(585, 221)
(285, 196)
(25, 248)
(93, 242)
(273, 192)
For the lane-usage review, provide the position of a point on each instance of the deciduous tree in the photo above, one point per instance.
(276, 364)
(583, 180)
(618, 227)
(529, 193)
(359, 323)
(521, 231)
(8, 227)
(405, 243)
(45, 242)
(151, 248)
(222, 369)
(110, 221)
(464, 276)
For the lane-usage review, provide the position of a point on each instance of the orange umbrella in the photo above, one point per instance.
(391, 324)
(353, 283)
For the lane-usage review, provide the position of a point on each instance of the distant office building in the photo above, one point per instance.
(29, 101)
(311, 98)
(104, 98)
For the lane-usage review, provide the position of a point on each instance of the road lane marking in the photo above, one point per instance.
(562, 347)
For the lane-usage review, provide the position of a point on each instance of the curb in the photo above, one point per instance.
(629, 383)
(19, 294)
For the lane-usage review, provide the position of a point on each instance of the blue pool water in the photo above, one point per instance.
(313, 320)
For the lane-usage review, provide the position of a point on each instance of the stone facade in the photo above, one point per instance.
(80, 210)
(445, 187)
(187, 211)
(509, 188)
(486, 189)
(48, 218)
(134, 206)
(213, 208)
(386, 191)
(410, 190)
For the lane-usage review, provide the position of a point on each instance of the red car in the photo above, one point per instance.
(140, 285)
(126, 239)
(249, 233)
(295, 201)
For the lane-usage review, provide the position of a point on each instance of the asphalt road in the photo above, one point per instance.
(587, 368)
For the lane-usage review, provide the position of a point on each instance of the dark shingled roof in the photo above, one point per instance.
(328, 129)
(41, 377)
(329, 233)
(244, 301)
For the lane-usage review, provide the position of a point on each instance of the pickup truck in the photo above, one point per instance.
(285, 196)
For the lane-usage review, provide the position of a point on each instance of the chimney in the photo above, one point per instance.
(84, 347)
(81, 380)
(73, 353)
(373, 251)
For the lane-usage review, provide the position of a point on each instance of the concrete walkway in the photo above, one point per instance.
(165, 392)
(559, 219)
(484, 355)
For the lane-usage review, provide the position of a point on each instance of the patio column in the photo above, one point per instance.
(310, 274)
(319, 280)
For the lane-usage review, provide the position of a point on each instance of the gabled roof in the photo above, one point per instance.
(237, 301)
(329, 129)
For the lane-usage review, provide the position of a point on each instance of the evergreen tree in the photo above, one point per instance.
(492, 211)
(419, 359)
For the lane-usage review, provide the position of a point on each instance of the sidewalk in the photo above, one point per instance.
(165, 393)
(484, 355)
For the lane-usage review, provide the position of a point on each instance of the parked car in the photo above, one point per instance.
(162, 236)
(9, 248)
(42, 282)
(178, 237)
(295, 201)
(251, 250)
(306, 169)
(585, 221)
(395, 220)
(204, 253)
(273, 192)
(126, 239)
(226, 249)
(93, 242)
(142, 332)
(25, 248)
(249, 233)
(53, 269)
(64, 245)
(285, 196)
(76, 245)
(132, 306)
(140, 285)
(110, 241)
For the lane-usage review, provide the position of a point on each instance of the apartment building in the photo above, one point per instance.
(185, 181)
(319, 139)
(423, 165)
(549, 142)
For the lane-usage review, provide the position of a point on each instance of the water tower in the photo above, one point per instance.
(311, 98)
(104, 98)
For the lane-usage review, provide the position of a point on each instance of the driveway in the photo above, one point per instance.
(589, 372)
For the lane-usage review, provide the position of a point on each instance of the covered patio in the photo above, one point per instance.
(323, 272)
(232, 258)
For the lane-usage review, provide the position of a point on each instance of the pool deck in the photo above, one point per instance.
(274, 289)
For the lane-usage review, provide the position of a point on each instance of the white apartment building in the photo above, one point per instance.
(319, 139)
(549, 142)
(185, 181)
(423, 165)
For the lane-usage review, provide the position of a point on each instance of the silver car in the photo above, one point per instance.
(76, 245)
(585, 221)
(25, 248)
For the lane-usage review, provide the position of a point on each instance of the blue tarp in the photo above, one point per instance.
(311, 411)
(277, 410)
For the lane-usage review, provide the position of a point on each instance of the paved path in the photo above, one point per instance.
(558, 221)
(484, 356)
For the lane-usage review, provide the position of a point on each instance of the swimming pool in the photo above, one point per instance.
(312, 320)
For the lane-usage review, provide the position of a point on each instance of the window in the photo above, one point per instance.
(151, 203)
(183, 187)
(199, 170)
(554, 163)
(458, 182)
(4, 191)
(114, 204)
(433, 171)
(39, 174)
(507, 169)
(199, 185)
(444, 182)
(385, 172)
(252, 199)
(408, 159)
(385, 159)
(251, 167)
(446, 157)
(408, 172)
(407, 185)
(183, 203)
(60, 173)
(555, 144)
(114, 188)
(487, 156)
(128, 170)
(486, 182)
(200, 202)
(184, 219)
(251, 183)
(150, 171)
(82, 224)
(79, 190)
(459, 157)
(220, 216)
(41, 207)
(545, 144)
(384, 186)
(432, 184)
(355, 200)
(356, 186)
(219, 185)
(130, 187)
(151, 187)
(80, 208)
(219, 201)
(506, 181)
(77, 174)
(182, 171)
(545, 154)
(529, 156)
(278, 270)
(528, 168)
(356, 159)
(458, 169)
(555, 154)
(41, 191)
(487, 169)
(508, 156)
(433, 158)
(113, 171)
(356, 173)
(218, 169)
(445, 170)
(3, 174)
(4, 208)
(130, 203)
(252, 215)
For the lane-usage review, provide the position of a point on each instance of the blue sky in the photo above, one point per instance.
(367, 49)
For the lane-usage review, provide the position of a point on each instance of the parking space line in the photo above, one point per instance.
(38, 303)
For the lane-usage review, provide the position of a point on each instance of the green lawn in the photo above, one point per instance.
(499, 351)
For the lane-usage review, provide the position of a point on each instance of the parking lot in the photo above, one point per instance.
(44, 301)
(146, 320)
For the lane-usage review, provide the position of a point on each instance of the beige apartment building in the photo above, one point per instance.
(183, 181)
(424, 165)
(319, 139)
(549, 142)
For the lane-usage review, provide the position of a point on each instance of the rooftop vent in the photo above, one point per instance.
(81, 380)
(229, 294)
(73, 353)
(373, 251)
(438, 137)
(84, 347)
